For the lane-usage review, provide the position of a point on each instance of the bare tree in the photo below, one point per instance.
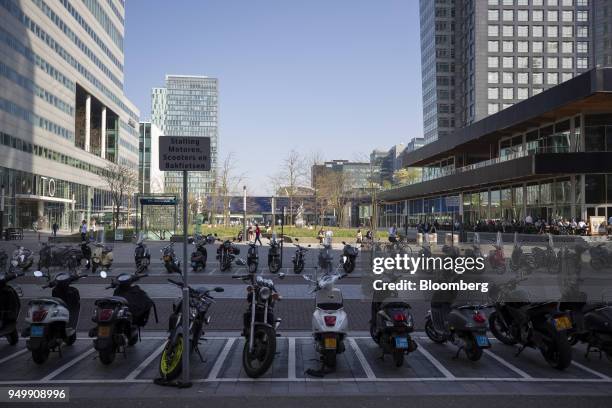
(227, 182)
(315, 159)
(332, 192)
(122, 182)
(291, 176)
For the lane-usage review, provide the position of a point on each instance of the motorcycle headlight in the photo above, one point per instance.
(14, 262)
(264, 293)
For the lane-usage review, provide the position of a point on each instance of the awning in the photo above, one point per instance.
(34, 197)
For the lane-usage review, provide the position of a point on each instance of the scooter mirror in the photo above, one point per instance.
(281, 275)
(103, 274)
(38, 274)
(219, 289)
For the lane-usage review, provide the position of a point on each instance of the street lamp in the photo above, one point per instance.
(244, 213)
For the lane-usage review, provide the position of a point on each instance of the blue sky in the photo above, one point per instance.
(341, 77)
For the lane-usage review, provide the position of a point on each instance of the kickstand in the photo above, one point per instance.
(456, 357)
(197, 349)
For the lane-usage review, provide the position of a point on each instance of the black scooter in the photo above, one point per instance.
(226, 253)
(274, 256)
(199, 256)
(120, 317)
(252, 260)
(349, 254)
(171, 264)
(142, 255)
(298, 258)
(9, 306)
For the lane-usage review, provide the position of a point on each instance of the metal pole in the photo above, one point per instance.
(185, 317)
(282, 236)
(244, 214)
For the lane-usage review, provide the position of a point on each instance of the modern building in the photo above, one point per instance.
(388, 161)
(354, 176)
(150, 178)
(480, 57)
(188, 106)
(64, 115)
(415, 143)
(548, 157)
(602, 33)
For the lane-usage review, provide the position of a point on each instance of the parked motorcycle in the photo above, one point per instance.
(68, 257)
(199, 256)
(200, 300)
(53, 320)
(120, 317)
(546, 257)
(101, 257)
(391, 324)
(21, 259)
(329, 320)
(298, 259)
(226, 253)
(539, 325)
(325, 258)
(259, 322)
(252, 258)
(349, 254)
(171, 263)
(496, 258)
(142, 255)
(274, 256)
(9, 306)
(520, 259)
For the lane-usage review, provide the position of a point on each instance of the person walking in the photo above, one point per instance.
(84, 230)
(55, 227)
(257, 235)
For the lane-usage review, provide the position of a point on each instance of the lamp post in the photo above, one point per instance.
(244, 213)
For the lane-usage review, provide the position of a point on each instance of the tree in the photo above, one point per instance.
(122, 182)
(290, 178)
(407, 175)
(331, 190)
(315, 159)
(226, 183)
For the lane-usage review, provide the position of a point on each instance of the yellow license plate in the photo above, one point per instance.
(330, 343)
(563, 323)
(103, 331)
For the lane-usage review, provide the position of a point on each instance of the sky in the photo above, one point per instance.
(334, 77)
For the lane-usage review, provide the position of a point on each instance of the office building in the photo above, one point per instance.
(63, 112)
(481, 57)
(188, 106)
(388, 161)
(150, 178)
(352, 177)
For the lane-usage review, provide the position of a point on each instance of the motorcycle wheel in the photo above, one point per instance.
(274, 265)
(253, 267)
(71, 339)
(348, 266)
(431, 332)
(170, 362)
(329, 358)
(41, 354)
(12, 338)
(255, 364)
(500, 333)
(107, 356)
(472, 351)
(373, 333)
(398, 358)
(558, 354)
(572, 339)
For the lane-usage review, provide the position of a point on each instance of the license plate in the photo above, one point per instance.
(330, 343)
(37, 331)
(563, 323)
(482, 340)
(401, 342)
(103, 331)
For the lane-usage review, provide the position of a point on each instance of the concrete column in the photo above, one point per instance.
(103, 134)
(87, 123)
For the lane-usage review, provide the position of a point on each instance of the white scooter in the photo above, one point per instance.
(329, 320)
(53, 320)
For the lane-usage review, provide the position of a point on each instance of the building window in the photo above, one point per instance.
(493, 46)
(508, 93)
(537, 31)
(581, 63)
(552, 15)
(508, 78)
(493, 62)
(522, 46)
(552, 3)
(568, 47)
(508, 3)
(536, 2)
(537, 47)
(552, 78)
(508, 62)
(567, 31)
(552, 63)
(566, 76)
(493, 31)
(582, 3)
(567, 63)
(508, 15)
(493, 77)
(582, 31)
(537, 15)
(537, 62)
(493, 93)
(522, 78)
(568, 16)
(537, 78)
(522, 62)
(552, 47)
(508, 31)
(493, 108)
(522, 31)
(568, 3)
(536, 91)
(582, 15)
(582, 47)
(493, 2)
(493, 15)
(508, 46)
(522, 15)
(552, 31)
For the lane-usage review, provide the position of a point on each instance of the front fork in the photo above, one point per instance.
(252, 330)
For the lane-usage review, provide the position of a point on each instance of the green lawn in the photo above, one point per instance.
(222, 231)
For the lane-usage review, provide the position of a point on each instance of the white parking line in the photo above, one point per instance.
(362, 360)
(507, 364)
(590, 370)
(12, 356)
(68, 365)
(146, 362)
(435, 362)
(214, 372)
(291, 359)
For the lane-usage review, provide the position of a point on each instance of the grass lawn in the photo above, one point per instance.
(222, 231)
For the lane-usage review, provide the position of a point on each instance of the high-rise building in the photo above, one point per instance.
(150, 178)
(388, 161)
(482, 56)
(63, 112)
(188, 106)
(602, 32)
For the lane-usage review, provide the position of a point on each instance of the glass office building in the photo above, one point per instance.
(63, 112)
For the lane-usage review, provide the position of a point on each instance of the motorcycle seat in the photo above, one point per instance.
(112, 299)
(47, 300)
(201, 289)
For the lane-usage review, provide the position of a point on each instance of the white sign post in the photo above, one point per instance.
(184, 153)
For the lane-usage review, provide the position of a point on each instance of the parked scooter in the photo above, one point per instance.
(520, 259)
(9, 306)
(226, 253)
(349, 254)
(325, 258)
(546, 258)
(68, 257)
(259, 322)
(142, 255)
(496, 258)
(329, 320)
(21, 260)
(53, 320)
(274, 255)
(391, 323)
(200, 300)
(298, 259)
(120, 317)
(199, 256)
(252, 258)
(171, 263)
(101, 256)
(540, 325)
(465, 326)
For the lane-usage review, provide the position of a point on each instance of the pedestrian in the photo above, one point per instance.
(257, 235)
(359, 236)
(84, 230)
(55, 227)
(393, 234)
